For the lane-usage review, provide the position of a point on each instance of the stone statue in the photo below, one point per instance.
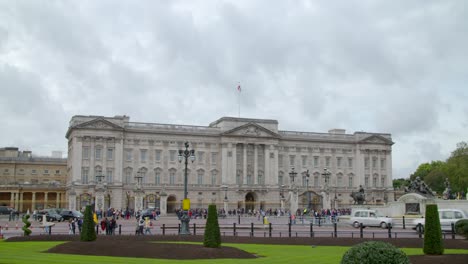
(447, 194)
(359, 197)
(420, 187)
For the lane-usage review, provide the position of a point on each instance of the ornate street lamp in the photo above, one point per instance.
(184, 219)
(292, 175)
(224, 187)
(307, 188)
(326, 176)
(99, 178)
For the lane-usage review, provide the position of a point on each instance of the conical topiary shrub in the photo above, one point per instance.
(26, 226)
(88, 232)
(432, 232)
(212, 233)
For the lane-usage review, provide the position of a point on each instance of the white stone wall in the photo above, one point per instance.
(221, 138)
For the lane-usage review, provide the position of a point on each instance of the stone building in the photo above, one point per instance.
(28, 182)
(239, 163)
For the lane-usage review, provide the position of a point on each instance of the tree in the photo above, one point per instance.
(212, 237)
(88, 232)
(435, 180)
(27, 224)
(398, 183)
(432, 232)
(426, 168)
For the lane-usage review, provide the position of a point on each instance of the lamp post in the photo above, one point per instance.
(326, 176)
(99, 178)
(292, 175)
(138, 191)
(184, 219)
(224, 187)
(307, 188)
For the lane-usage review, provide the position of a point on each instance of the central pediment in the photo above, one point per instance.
(251, 130)
(99, 123)
(376, 139)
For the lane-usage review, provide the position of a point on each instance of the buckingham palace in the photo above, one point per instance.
(236, 163)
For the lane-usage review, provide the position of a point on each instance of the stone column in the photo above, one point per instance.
(255, 172)
(57, 204)
(21, 202)
(163, 204)
(46, 198)
(245, 163)
(17, 201)
(33, 201)
(266, 172)
(12, 199)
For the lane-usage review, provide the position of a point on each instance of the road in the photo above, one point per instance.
(243, 226)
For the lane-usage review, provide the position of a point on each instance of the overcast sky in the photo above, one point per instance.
(398, 67)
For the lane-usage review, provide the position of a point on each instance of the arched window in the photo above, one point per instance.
(157, 176)
(200, 176)
(128, 175)
(214, 176)
(280, 178)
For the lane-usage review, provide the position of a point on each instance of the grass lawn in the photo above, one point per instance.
(30, 252)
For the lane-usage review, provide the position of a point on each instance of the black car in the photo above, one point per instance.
(51, 215)
(147, 213)
(4, 210)
(71, 214)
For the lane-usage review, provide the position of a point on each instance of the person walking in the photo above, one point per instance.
(73, 225)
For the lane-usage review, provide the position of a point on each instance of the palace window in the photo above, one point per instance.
(143, 155)
(98, 153)
(85, 152)
(128, 155)
(214, 175)
(338, 162)
(109, 175)
(157, 155)
(316, 161)
(84, 175)
(350, 162)
(172, 155)
(110, 154)
(214, 158)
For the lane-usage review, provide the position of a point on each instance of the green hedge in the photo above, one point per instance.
(88, 231)
(26, 225)
(432, 232)
(212, 237)
(461, 227)
(372, 252)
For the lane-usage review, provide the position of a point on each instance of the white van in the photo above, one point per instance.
(446, 217)
(369, 218)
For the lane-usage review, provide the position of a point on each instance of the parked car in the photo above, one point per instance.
(50, 214)
(147, 213)
(369, 218)
(446, 217)
(70, 214)
(5, 210)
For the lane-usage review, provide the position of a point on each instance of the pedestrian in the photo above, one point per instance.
(70, 226)
(80, 224)
(73, 225)
(148, 225)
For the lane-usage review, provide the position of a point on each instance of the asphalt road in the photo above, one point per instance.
(243, 227)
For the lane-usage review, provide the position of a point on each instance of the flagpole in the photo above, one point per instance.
(239, 102)
(239, 90)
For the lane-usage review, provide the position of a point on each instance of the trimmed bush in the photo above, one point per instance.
(88, 231)
(372, 252)
(461, 227)
(212, 234)
(432, 232)
(26, 226)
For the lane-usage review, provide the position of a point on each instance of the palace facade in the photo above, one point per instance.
(29, 183)
(239, 163)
